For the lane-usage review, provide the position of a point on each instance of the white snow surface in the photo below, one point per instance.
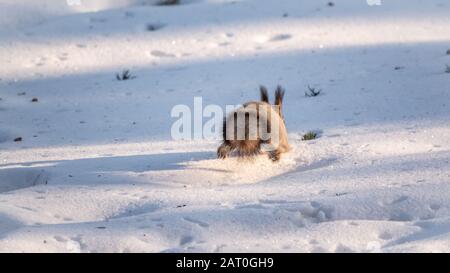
(97, 169)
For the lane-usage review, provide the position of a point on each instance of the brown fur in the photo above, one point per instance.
(261, 110)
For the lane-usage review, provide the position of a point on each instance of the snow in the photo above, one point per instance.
(97, 169)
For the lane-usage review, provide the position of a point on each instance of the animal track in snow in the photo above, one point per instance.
(18, 178)
(161, 54)
(262, 39)
(435, 207)
(60, 239)
(298, 212)
(200, 223)
(400, 199)
(135, 210)
(340, 248)
(280, 37)
(385, 236)
(400, 216)
(186, 239)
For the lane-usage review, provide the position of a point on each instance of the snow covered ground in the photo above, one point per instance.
(97, 169)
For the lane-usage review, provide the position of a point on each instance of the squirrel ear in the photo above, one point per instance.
(279, 94)
(264, 94)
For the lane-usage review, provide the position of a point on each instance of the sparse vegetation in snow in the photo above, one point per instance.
(309, 136)
(312, 92)
(168, 2)
(125, 75)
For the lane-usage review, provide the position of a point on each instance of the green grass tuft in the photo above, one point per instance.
(309, 136)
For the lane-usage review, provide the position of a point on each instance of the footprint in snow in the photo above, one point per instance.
(161, 54)
(343, 249)
(280, 37)
(60, 239)
(63, 57)
(435, 207)
(154, 26)
(224, 44)
(98, 20)
(401, 216)
(400, 199)
(13, 179)
(200, 223)
(186, 240)
(385, 236)
(276, 38)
